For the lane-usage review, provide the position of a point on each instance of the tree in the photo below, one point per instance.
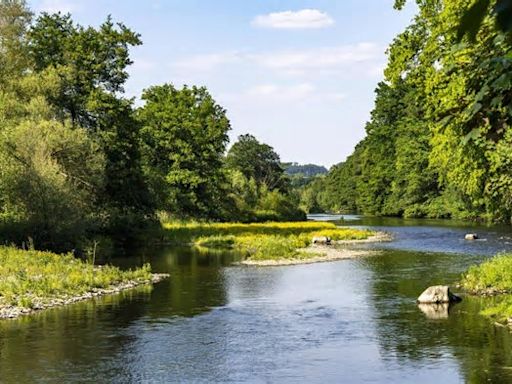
(438, 143)
(184, 138)
(257, 161)
(50, 172)
(89, 60)
(15, 19)
(91, 65)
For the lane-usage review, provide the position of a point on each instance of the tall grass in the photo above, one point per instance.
(27, 277)
(494, 275)
(260, 241)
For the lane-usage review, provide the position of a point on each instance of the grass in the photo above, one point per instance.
(29, 277)
(260, 241)
(492, 276)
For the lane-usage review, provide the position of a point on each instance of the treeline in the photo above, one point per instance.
(78, 158)
(439, 142)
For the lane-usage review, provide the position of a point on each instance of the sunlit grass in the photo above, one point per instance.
(32, 276)
(494, 275)
(260, 241)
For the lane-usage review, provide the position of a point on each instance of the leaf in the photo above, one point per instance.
(472, 20)
(472, 135)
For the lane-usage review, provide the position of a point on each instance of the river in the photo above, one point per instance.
(349, 321)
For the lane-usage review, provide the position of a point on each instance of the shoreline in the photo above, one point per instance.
(324, 253)
(378, 237)
(13, 312)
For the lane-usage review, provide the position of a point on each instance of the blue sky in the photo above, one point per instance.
(298, 74)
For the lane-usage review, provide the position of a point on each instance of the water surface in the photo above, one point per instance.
(349, 321)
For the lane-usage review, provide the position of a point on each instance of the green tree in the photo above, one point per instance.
(257, 161)
(184, 138)
(15, 19)
(91, 64)
(50, 172)
(88, 59)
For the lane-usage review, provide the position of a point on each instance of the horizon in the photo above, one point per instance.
(305, 70)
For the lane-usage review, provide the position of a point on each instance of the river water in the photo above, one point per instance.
(349, 321)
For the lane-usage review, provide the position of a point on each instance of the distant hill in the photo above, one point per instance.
(305, 170)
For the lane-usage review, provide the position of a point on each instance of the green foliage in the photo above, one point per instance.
(88, 59)
(50, 172)
(257, 161)
(495, 273)
(184, 137)
(438, 142)
(30, 277)
(260, 190)
(15, 19)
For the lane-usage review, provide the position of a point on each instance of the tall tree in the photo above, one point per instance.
(257, 161)
(184, 138)
(89, 59)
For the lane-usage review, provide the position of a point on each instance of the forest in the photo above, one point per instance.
(438, 143)
(78, 158)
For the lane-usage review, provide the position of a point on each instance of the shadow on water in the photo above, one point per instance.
(87, 341)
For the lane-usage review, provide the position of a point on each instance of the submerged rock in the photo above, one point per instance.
(438, 294)
(471, 236)
(322, 240)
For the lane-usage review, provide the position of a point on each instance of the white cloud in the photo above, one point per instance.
(54, 6)
(362, 58)
(331, 58)
(303, 19)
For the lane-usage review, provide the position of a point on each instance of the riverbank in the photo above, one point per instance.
(492, 278)
(33, 280)
(313, 254)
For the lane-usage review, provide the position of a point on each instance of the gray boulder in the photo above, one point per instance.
(438, 294)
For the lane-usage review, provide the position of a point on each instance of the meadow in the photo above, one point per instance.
(259, 241)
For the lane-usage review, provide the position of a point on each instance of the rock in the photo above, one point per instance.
(438, 294)
(471, 236)
(322, 240)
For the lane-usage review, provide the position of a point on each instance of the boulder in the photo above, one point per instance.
(322, 240)
(471, 236)
(438, 294)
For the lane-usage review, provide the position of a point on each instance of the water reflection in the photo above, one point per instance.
(435, 311)
(346, 321)
(435, 336)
